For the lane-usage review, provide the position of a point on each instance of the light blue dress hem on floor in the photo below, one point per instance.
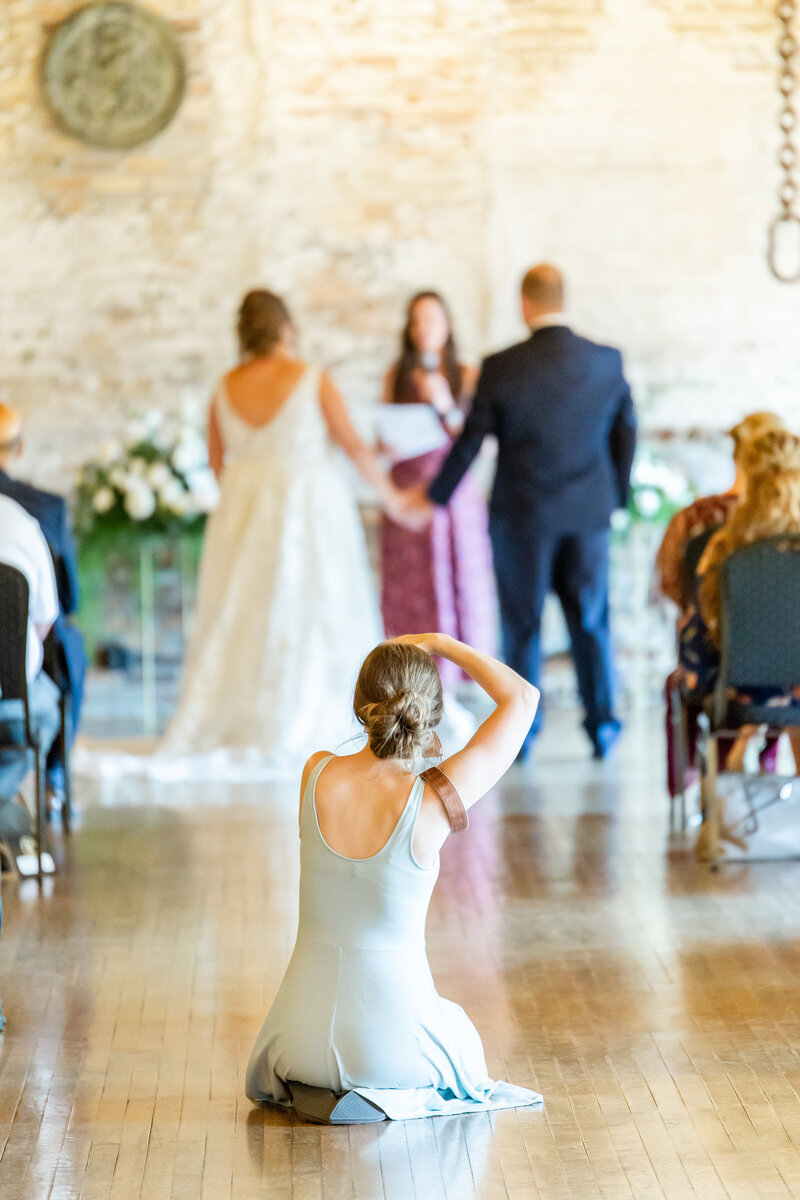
(358, 1009)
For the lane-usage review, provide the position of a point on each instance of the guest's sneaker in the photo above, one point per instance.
(53, 803)
(604, 738)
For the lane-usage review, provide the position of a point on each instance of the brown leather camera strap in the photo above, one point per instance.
(456, 813)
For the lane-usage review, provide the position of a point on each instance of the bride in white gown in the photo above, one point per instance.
(286, 608)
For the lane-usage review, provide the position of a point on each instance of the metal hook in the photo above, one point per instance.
(783, 219)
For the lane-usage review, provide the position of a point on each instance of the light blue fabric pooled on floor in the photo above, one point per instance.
(357, 1009)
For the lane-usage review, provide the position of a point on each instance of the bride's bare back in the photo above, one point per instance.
(257, 389)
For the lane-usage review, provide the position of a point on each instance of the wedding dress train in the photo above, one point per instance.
(286, 610)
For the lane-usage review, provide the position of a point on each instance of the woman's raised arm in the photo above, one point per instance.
(495, 744)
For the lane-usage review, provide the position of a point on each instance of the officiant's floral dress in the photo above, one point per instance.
(439, 579)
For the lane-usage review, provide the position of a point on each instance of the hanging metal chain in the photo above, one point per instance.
(787, 157)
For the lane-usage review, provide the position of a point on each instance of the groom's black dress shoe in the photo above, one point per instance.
(604, 738)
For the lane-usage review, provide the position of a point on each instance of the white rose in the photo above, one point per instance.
(645, 471)
(647, 501)
(109, 452)
(103, 500)
(140, 502)
(620, 519)
(137, 431)
(173, 495)
(138, 466)
(153, 419)
(674, 485)
(189, 454)
(205, 490)
(118, 476)
(159, 475)
(191, 404)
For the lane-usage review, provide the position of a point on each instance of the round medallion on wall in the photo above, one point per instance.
(113, 74)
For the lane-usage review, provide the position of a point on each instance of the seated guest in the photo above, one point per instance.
(706, 512)
(770, 506)
(66, 659)
(703, 515)
(22, 545)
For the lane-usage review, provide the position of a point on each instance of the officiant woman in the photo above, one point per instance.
(439, 577)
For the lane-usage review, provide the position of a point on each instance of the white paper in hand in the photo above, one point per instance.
(410, 429)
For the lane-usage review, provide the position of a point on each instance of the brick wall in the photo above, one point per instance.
(349, 151)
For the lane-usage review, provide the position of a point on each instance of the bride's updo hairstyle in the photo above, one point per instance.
(263, 317)
(398, 700)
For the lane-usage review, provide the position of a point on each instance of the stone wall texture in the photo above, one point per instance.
(347, 152)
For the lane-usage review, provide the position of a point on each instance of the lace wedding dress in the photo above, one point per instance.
(286, 610)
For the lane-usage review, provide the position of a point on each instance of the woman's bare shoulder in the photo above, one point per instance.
(317, 757)
(314, 761)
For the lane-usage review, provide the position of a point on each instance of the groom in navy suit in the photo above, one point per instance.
(65, 657)
(562, 413)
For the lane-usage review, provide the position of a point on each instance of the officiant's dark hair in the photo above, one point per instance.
(409, 355)
(399, 701)
(263, 316)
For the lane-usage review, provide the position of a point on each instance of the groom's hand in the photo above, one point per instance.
(414, 510)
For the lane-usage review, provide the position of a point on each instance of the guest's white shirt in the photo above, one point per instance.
(22, 545)
(547, 319)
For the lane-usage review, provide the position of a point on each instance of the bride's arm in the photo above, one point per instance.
(343, 433)
(216, 450)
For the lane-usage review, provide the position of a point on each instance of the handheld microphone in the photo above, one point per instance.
(429, 360)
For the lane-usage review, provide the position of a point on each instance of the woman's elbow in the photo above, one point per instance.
(530, 696)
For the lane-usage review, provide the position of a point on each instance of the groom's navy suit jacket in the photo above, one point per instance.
(50, 511)
(561, 410)
(563, 417)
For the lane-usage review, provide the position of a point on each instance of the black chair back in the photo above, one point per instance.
(760, 616)
(14, 600)
(695, 548)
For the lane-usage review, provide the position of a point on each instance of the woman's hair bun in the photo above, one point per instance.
(263, 317)
(399, 701)
(412, 709)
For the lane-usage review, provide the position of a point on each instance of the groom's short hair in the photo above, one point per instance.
(543, 285)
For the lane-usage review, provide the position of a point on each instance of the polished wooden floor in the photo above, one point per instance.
(655, 1005)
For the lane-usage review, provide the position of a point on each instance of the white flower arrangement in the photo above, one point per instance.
(658, 491)
(154, 480)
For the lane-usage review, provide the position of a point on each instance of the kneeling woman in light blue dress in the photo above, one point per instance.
(357, 1031)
